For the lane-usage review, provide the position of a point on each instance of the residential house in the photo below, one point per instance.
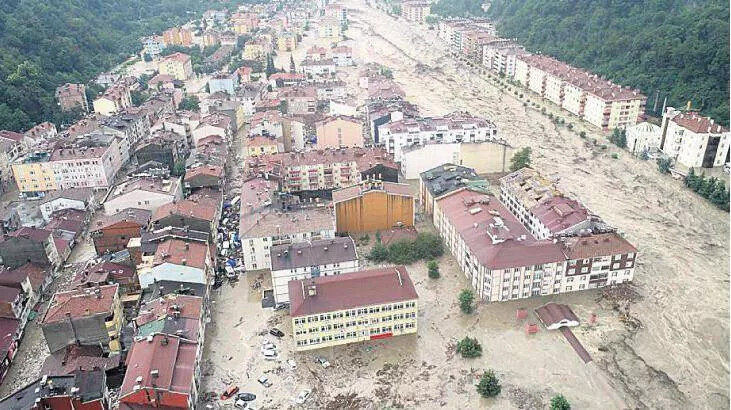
(367, 305)
(164, 147)
(316, 53)
(178, 36)
(28, 245)
(177, 65)
(299, 100)
(214, 124)
(40, 132)
(331, 89)
(152, 46)
(316, 70)
(256, 49)
(196, 214)
(72, 96)
(85, 317)
(343, 106)
(278, 80)
(115, 99)
(340, 131)
(31, 280)
(287, 41)
(111, 233)
(107, 273)
(205, 176)
(267, 123)
(342, 56)
(329, 29)
(81, 199)
(177, 260)
(80, 389)
(694, 141)
(261, 145)
(144, 193)
(226, 82)
(373, 206)
(248, 95)
(380, 111)
(306, 260)
(173, 314)
(337, 11)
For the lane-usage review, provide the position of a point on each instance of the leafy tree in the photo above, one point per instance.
(708, 187)
(521, 159)
(559, 402)
(433, 268)
(147, 57)
(431, 20)
(270, 69)
(720, 196)
(691, 179)
(582, 134)
(644, 155)
(469, 347)
(489, 385)
(698, 182)
(138, 97)
(378, 237)
(458, 8)
(664, 165)
(190, 103)
(179, 168)
(379, 253)
(466, 298)
(618, 138)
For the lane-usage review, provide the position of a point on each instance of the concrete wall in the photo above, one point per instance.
(486, 157)
(89, 331)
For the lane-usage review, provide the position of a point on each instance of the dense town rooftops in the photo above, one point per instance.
(179, 252)
(446, 178)
(216, 120)
(352, 290)
(150, 184)
(138, 216)
(698, 124)
(274, 223)
(161, 362)
(81, 302)
(341, 50)
(354, 191)
(320, 62)
(207, 170)
(297, 92)
(102, 272)
(39, 129)
(73, 358)
(35, 274)
(260, 141)
(34, 234)
(365, 158)
(11, 135)
(77, 194)
(288, 76)
(454, 121)
(313, 253)
(204, 209)
(87, 385)
(171, 305)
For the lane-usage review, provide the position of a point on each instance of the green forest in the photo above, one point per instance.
(677, 47)
(44, 44)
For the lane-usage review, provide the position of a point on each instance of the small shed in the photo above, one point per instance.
(555, 316)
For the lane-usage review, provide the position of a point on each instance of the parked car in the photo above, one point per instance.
(246, 396)
(230, 391)
(268, 346)
(323, 361)
(292, 364)
(303, 396)
(276, 332)
(270, 354)
(263, 380)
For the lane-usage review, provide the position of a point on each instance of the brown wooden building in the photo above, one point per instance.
(111, 233)
(373, 206)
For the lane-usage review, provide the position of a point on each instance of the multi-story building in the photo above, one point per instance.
(143, 193)
(415, 10)
(244, 23)
(337, 11)
(198, 214)
(379, 112)
(312, 259)
(693, 140)
(177, 65)
(152, 45)
(355, 307)
(342, 56)
(215, 124)
(86, 317)
(643, 137)
(373, 205)
(329, 29)
(81, 199)
(300, 100)
(178, 36)
(41, 132)
(500, 56)
(93, 166)
(443, 180)
(316, 70)
(29, 245)
(115, 99)
(261, 145)
(249, 94)
(267, 124)
(455, 127)
(72, 96)
(256, 49)
(82, 389)
(178, 260)
(340, 131)
(226, 82)
(287, 41)
(111, 233)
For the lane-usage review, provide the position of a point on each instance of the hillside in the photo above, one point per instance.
(47, 43)
(680, 47)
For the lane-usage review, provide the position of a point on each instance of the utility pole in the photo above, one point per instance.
(657, 97)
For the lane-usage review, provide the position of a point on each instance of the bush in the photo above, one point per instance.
(469, 347)
(664, 165)
(615, 155)
(550, 115)
(433, 268)
(582, 134)
(521, 159)
(404, 252)
(559, 402)
(466, 297)
(570, 126)
(379, 253)
(489, 385)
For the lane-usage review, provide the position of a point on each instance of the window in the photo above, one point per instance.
(568, 288)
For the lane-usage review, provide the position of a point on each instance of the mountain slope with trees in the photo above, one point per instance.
(679, 47)
(44, 44)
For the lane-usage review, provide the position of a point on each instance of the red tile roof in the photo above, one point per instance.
(180, 57)
(698, 123)
(11, 135)
(77, 302)
(179, 252)
(138, 216)
(210, 170)
(352, 290)
(184, 305)
(73, 358)
(559, 213)
(8, 294)
(606, 244)
(172, 357)
(103, 271)
(204, 209)
(36, 274)
(38, 235)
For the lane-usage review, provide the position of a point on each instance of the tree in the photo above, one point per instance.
(138, 97)
(664, 165)
(466, 298)
(291, 64)
(469, 347)
(559, 402)
(431, 20)
(190, 103)
(644, 155)
(619, 138)
(433, 268)
(582, 134)
(691, 179)
(720, 196)
(521, 159)
(179, 168)
(270, 69)
(708, 187)
(489, 385)
(697, 182)
(379, 253)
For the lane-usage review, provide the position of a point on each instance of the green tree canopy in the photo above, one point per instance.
(559, 402)
(489, 385)
(521, 159)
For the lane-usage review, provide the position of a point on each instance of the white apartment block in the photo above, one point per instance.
(312, 259)
(416, 11)
(453, 128)
(693, 140)
(501, 57)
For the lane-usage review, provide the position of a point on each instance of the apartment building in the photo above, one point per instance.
(215, 124)
(176, 260)
(263, 227)
(416, 11)
(340, 131)
(244, 23)
(86, 166)
(177, 36)
(111, 233)
(81, 199)
(329, 29)
(379, 112)
(337, 11)
(226, 82)
(316, 70)
(287, 41)
(143, 193)
(694, 141)
(500, 56)
(443, 180)
(72, 96)
(115, 99)
(312, 259)
(82, 389)
(152, 45)
(177, 65)
(85, 317)
(29, 245)
(256, 49)
(373, 205)
(342, 56)
(367, 305)
(455, 127)
(329, 169)
(300, 100)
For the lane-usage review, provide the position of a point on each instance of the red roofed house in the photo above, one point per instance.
(31, 280)
(85, 317)
(177, 65)
(204, 176)
(335, 310)
(111, 233)
(177, 260)
(693, 140)
(107, 273)
(200, 214)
